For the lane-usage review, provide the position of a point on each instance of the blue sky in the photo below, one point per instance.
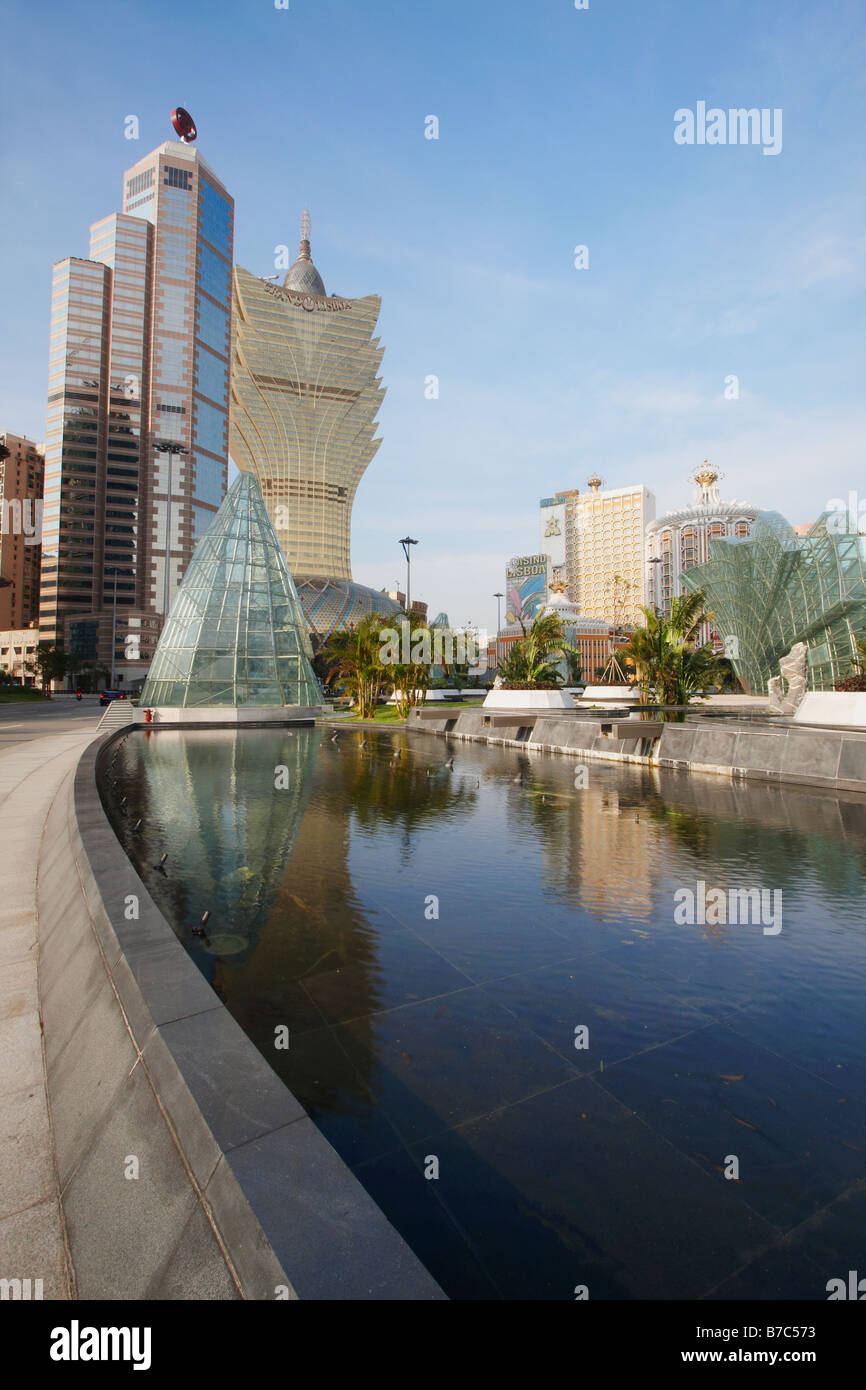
(556, 130)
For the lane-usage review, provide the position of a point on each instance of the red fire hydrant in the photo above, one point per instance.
(148, 716)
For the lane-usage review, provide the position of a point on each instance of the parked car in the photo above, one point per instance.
(106, 696)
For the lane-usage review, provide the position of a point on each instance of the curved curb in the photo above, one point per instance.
(237, 1193)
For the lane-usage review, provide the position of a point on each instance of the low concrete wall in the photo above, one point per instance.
(238, 1195)
(780, 751)
(529, 700)
(783, 752)
(834, 708)
(218, 716)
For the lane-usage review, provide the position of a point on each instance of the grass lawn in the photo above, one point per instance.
(383, 714)
(387, 714)
(12, 695)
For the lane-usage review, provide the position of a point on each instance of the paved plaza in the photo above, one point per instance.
(39, 746)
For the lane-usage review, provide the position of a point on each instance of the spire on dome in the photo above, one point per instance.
(303, 275)
(706, 478)
(305, 235)
(706, 475)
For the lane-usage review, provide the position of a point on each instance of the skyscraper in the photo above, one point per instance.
(305, 395)
(595, 544)
(21, 468)
(137, 436)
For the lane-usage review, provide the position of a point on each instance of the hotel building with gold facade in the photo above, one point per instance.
(305, 393)
(594, 541)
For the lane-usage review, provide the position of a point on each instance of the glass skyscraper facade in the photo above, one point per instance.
(137, 440)
(236, 634)
(305, 395)
(775, 589)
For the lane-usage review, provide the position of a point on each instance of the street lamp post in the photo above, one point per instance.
(406, 542)
(499, 597)
(656, 560)
(171, 449)
(113, 627)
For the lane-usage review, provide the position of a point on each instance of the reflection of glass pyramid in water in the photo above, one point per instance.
(236, 633)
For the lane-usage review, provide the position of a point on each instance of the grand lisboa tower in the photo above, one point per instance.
(304, 399)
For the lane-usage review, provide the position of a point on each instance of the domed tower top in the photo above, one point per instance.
(706, 478)
(594, 483)
(303, 275)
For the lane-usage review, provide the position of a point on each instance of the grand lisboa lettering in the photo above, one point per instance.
(310, 302)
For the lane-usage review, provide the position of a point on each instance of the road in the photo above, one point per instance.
(23, 723)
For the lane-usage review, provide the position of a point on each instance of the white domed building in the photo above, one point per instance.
(682, 538)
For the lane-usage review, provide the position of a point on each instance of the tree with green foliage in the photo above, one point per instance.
(535, 660)
(410, 680)
(51, 661)
(353, 656)
(665, 654)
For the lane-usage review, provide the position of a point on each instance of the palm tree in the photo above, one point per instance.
(665, 655)
(645, 652)
(411, 679)
(354, 656)
(535, 660)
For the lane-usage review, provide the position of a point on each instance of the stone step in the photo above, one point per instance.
(117, 715)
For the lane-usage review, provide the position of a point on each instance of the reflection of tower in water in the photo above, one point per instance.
(221, 818)
(599, 848)
(615, 855)
(317, 935)
(325, 951)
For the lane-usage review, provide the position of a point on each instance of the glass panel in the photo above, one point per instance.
(235, 618)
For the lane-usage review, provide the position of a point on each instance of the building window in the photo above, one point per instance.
(138, 183)
(178, 178)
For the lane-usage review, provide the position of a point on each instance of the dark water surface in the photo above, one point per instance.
(433, 939)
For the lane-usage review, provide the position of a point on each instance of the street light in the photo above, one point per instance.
(113, 570)
(406, 542)
(498, 597)
(171, 449)
(655, 560)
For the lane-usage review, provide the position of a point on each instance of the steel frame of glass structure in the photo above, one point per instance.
(776, 589)
(236, 634)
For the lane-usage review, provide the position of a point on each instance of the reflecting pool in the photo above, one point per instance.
(547, 1079)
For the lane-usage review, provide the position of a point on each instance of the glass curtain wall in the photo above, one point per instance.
(236, 634)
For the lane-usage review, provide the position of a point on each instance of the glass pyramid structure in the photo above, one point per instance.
(236, 633)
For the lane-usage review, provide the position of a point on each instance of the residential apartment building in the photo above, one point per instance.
(21, 483)
(18, 655)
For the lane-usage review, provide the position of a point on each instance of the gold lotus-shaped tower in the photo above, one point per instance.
(305, 395)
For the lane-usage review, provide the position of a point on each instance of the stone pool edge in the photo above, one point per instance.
(780, 754)
(238, 1194)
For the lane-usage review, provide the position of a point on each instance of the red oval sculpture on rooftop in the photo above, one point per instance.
(184, 125)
